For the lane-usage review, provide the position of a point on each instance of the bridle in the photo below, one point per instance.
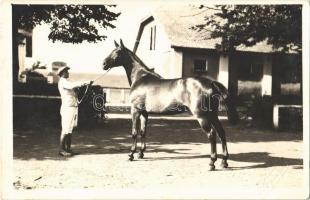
(89, 86)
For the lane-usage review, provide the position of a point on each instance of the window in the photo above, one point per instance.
(290, 70)
(152, 38)
(250, 69)
(200, 66)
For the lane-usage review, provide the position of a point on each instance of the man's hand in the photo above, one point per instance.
(88, 83)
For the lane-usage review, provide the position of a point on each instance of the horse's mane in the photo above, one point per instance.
(146, 69)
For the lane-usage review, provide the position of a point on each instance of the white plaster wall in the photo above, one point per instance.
(163, 58)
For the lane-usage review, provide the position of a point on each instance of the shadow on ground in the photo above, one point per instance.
(40, 141)
(264, 160)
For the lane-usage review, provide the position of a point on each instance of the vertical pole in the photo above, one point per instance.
(223, 76)
(266, 83)
(177, 64)
(267, 76)
(107, 90)
(123, 95)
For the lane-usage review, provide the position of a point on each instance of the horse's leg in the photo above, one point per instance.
(143, 120)
(221, 133)
(135, 129)
(206, 126)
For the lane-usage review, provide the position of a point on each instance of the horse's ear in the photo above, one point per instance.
(121, 42)
(116, 45)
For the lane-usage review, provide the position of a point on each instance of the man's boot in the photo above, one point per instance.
(63, 151)
(68, 144)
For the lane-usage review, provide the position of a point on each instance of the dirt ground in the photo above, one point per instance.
(262, 163)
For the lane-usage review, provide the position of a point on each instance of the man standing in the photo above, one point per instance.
(69, 109)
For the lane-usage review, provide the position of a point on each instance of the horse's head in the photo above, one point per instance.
(116, 57)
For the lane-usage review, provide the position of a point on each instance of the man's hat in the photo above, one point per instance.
(62, 69)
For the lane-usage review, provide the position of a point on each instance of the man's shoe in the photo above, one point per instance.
(65, 154)
(72, 152)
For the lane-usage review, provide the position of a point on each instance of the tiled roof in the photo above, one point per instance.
(177, 21)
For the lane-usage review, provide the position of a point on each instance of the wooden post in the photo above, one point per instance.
(223, 76)
(276, 117)
(267, 100)
(177, 64)
(123, 95)
(21, 57)
(107, 91)
(267, 76)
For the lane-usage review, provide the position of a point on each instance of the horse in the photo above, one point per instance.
(150, 93)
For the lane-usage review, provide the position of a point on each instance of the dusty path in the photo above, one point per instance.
(264, 163)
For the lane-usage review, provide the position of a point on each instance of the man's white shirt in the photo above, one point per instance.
(67, 93)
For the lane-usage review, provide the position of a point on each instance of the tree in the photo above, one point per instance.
(279, 25)
(69, 23)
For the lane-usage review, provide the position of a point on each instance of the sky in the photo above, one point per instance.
(88, 57)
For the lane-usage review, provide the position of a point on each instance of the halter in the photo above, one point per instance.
(88, 86)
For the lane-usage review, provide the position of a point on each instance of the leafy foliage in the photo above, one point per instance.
(69, 23)
(279, 25)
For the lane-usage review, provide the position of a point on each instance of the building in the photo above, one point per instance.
(167, 43)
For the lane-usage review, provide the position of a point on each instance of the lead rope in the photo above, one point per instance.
(88, 86)
(102, 75)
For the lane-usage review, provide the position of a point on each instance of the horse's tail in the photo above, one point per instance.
(232, 114)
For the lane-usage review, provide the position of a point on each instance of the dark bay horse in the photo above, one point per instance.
(150, 93)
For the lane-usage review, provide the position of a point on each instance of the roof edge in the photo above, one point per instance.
(236, 51)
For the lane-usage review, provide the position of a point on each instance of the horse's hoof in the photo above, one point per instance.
(224, 164)
(211, 167)
(141, 155)
(131, 157)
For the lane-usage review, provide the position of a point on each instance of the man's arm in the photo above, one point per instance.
(71, 85)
